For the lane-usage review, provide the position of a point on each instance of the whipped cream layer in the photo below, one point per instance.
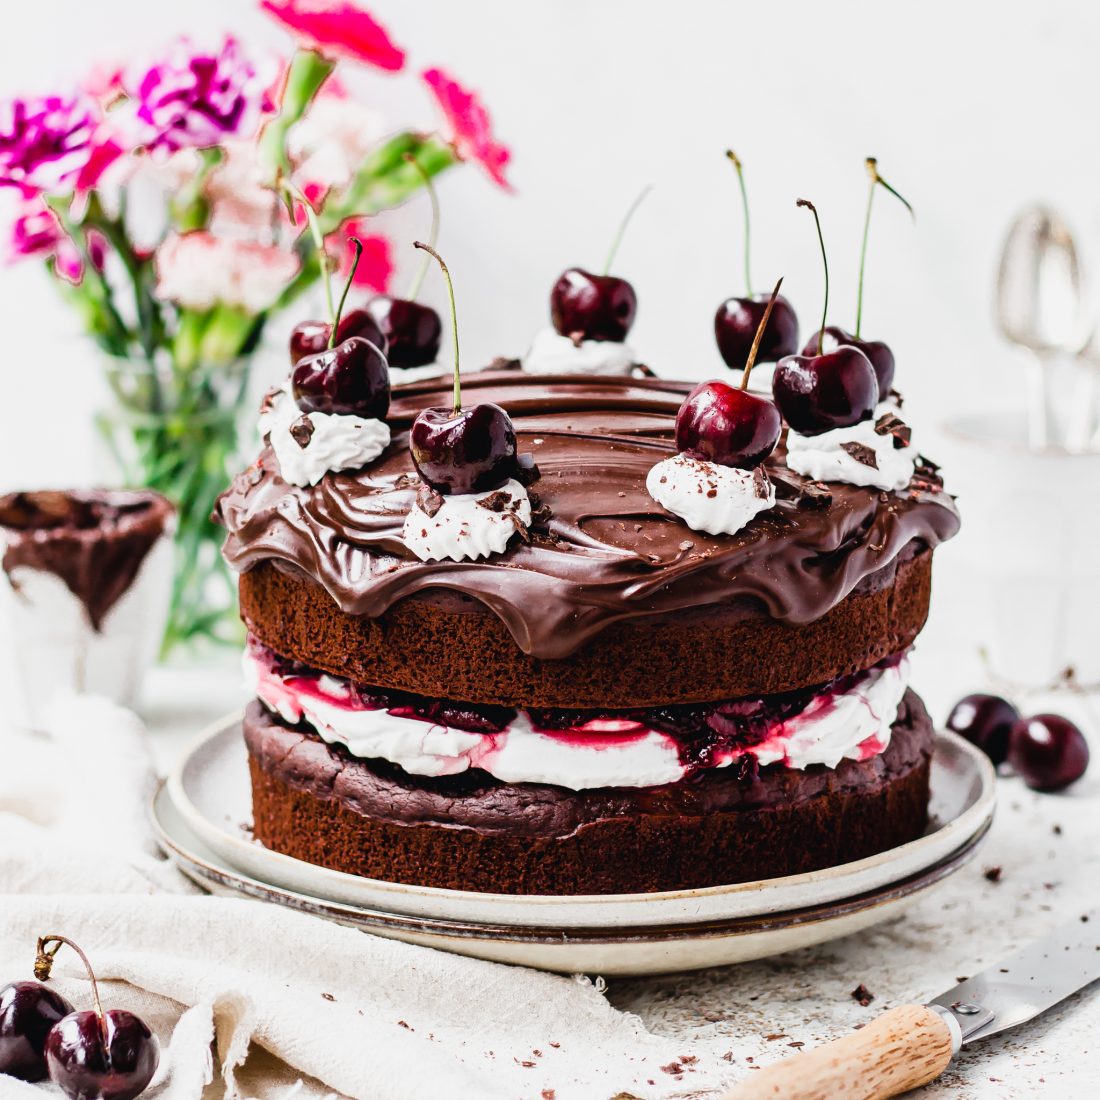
(860, 455)
(850, 719)
(467, 526)
(552, 353)
(719, 500)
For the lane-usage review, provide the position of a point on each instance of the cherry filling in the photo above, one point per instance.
(705, 734)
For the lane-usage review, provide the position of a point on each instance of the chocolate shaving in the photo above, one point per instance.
(863, 995)
(498, 501)
(267, 402)
(644, 371)
(520, 526)
(301, 431)
(527, 472)
(861, 453)
(501, 362)
(811, 495)
(760, 484)
(428, 500)
(889, 424)
(926, 475)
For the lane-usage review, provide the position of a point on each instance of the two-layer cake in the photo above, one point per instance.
(606, 699)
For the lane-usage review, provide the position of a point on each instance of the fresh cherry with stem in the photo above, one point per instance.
(96, 1055)
(456, 449)
(312, 337)
(413, 331)
(833, 390)
(882, 358)
(731, 426)
(350, 378)
(584, 306)
(28, 1010)
(738, 319)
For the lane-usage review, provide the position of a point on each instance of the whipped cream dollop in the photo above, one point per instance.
(853, 723)
(465, 526)
(310, 445)
(875, 453)
(708, 497)
(552, 353)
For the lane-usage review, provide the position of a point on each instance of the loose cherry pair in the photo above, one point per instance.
(92, 1054)
(1047, 751)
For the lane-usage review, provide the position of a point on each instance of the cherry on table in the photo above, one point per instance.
(312, 337)
(413, 331)
(986, 722)
(112, 1057)
(28, 1010)
(882, 358)
(592, 307)
(351, 379)
(1047, 751)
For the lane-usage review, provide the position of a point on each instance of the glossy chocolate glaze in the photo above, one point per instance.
(475, 800)
(607, 553)
(95, 541)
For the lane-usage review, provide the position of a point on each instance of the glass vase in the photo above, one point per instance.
(177, 430)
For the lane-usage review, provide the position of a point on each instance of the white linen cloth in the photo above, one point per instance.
(274, 1002)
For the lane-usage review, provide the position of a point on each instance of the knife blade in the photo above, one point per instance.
(1026, 984)
(911, 1045)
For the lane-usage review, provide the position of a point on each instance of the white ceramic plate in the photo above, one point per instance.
(612, 950)
(210, 790)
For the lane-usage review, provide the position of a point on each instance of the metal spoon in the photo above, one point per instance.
(1040, 304)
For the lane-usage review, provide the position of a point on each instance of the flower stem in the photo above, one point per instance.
(745, 211)
(454, 318)
(825, 263)
(622, 227)
(358, 244)
(43, 964)
(876, 180)
(760, 328)
(318, 244)
(433, 237)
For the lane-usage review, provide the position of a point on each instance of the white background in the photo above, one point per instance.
(973, 110)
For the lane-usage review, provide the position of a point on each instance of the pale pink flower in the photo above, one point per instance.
(199, 271)
(338, 28)
(327, 146)
(470, 125)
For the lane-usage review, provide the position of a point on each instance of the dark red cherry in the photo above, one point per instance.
(112, 1059)
(28, 1010)
(1048, 752)
(351, 379)
(311, 337)
(469, 451)
(413, 331)
(593, 307)
(727, 425)
(735, 326)
(882, 358)
(821, 392)
(985, 721)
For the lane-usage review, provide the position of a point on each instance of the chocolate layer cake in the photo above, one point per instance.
(614, 702)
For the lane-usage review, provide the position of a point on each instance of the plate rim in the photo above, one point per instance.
(966, 825)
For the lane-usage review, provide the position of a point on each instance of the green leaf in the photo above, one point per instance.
(307, 73)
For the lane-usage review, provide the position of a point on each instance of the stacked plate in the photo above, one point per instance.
(201, 816)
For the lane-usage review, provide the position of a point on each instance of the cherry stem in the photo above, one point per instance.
(454, 317)
(43, 965)
(622, 228)
(357, 244)
(759, 335)
(745, 210)
(318, 244)
(418, 278)
(825, 263)
(876, 180)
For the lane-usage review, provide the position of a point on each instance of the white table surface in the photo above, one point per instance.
(1048, 850)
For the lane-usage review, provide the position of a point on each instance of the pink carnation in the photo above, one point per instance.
(471, 127)
(195, 98)
(341, 28)
(37, 234)
(375, 268)
(46, 142)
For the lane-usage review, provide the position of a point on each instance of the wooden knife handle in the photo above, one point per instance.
(903, 1049)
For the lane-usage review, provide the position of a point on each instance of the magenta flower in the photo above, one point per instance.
(197, 99)
(375, 268)
(471, 127)
(338, 27)
(45, 143)
(37, 234)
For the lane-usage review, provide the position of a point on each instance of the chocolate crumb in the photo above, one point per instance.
(686, 545)
(502, 362)
(644, 371)
(861, 453)
(1057, 830)
(993, 874)
(760, 484)
(796, 1044)
(267, 402)
(407, 1027)
(495, 502)
(548, 1094)
(301, 431)
(406, 481)
(328, 996)
(775, 1036)
(889, 424)
(428, 501)
(863, 995)
(673, 1067)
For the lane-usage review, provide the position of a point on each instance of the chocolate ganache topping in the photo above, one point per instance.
(600, 550)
